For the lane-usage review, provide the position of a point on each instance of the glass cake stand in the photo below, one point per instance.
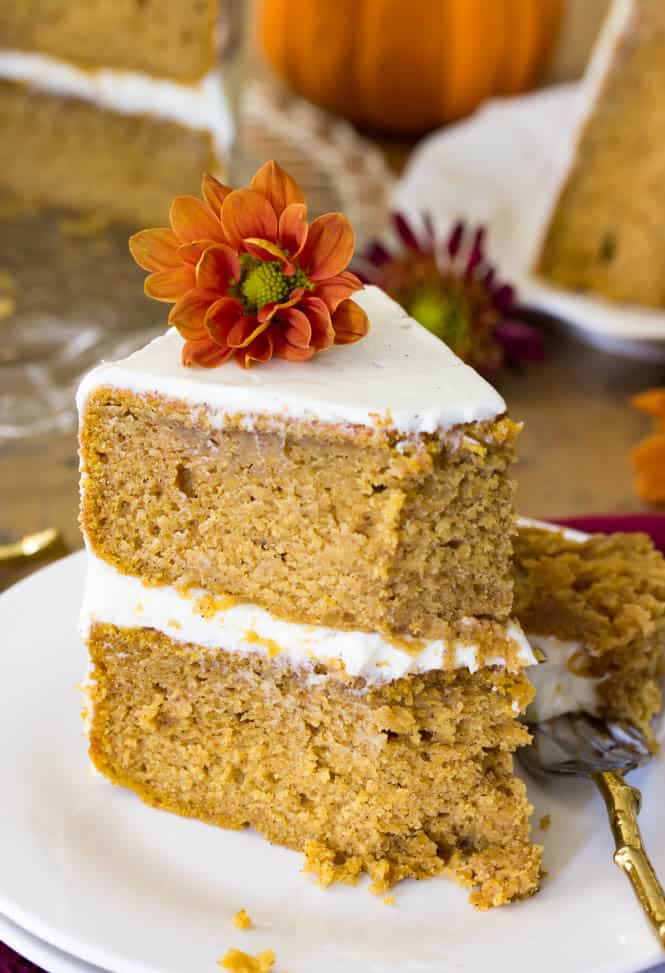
(70, 295)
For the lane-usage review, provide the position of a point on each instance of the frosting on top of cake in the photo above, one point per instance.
(400, 377)
(200, 105)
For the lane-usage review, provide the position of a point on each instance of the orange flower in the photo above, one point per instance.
(648, 457)
(249, 278)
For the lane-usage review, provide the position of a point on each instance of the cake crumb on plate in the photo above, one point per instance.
(242, 920)
(545, 822)
(239, 962)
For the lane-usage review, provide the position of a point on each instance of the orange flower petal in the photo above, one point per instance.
(214, 192)
(260, 350)
(277, 186)
(218, 268)
(221, 317)
(192, 220)
(196, 262)
(191, 253)
(350, 323)
(318, 315)
(284, 349)
(265, 250)
(652, 402)
(334, 290)
(205, 353)
(266, 312)
(648, 460)
(245, 331)
(155, 249)
(298, 330)
(169, 285)
(246, 214)
(328, 248)
(293, 226)
(189, 313)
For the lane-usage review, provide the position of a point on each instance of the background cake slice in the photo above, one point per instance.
(298, 607)
(89, 92)
(606, 232)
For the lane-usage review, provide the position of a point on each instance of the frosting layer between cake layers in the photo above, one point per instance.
(200, 105)
(399, 377)
(221, 623)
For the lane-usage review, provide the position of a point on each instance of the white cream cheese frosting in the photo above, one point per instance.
(200, 105)
(213, 623)
(559, 689)
(400, 376)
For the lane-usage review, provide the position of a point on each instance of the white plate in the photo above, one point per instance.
(90, 869)
(501, 168)
(45, 956)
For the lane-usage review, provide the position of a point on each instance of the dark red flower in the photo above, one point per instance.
(452, 290)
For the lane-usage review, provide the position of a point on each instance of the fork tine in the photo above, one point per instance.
(577, 744)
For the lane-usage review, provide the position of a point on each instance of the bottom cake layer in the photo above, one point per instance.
(412, 778)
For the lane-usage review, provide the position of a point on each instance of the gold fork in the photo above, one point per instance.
(30, 545)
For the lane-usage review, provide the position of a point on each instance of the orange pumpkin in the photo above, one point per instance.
(406, 66)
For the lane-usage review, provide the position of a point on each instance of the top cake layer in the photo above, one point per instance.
(170, 40)
(400, 377)
(366, 489)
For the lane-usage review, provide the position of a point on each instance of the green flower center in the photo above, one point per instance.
(445, 314)
(264, 282)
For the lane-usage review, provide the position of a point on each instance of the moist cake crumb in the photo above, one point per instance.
(545, 822)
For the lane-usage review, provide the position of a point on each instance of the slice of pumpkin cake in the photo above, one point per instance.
(605, 233)
(298, 607)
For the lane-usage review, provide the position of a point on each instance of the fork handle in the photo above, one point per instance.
(623, 804)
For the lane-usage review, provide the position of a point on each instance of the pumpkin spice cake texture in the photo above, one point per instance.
(297, 510)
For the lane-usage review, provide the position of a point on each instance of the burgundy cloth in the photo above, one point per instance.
(653, 524)
(11, 962)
